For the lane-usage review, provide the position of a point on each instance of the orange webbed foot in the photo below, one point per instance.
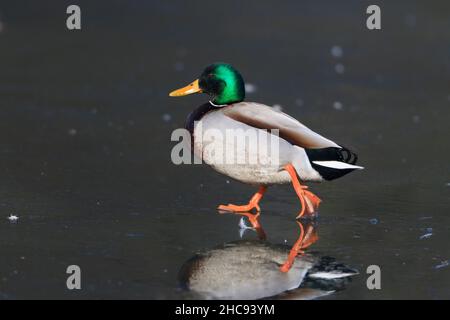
(308, 200)
(311, 204)
(252, 204)
(234, 208)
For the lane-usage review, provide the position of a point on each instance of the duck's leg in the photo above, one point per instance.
(309, 201)
(304, 240)
(252, 204)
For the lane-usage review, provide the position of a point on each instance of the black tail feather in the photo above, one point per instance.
(331, 154)
(348, 156)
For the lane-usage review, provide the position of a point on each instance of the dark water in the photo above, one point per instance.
(85, 126)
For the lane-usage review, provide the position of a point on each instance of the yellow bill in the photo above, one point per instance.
(189, 89)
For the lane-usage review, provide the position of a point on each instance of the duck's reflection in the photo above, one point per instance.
(253, 269)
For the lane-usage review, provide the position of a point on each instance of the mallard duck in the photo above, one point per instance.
(302, 154)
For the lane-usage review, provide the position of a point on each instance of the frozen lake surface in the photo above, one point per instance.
(85, 125)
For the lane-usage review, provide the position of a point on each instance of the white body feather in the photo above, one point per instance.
(267, 171)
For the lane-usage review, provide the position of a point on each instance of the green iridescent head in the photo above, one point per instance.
(222, 82)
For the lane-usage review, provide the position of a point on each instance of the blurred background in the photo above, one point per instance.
(85, 125)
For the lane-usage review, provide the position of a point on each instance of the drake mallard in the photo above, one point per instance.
(303, 155)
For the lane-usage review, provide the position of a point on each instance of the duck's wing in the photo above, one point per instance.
(264, 117)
